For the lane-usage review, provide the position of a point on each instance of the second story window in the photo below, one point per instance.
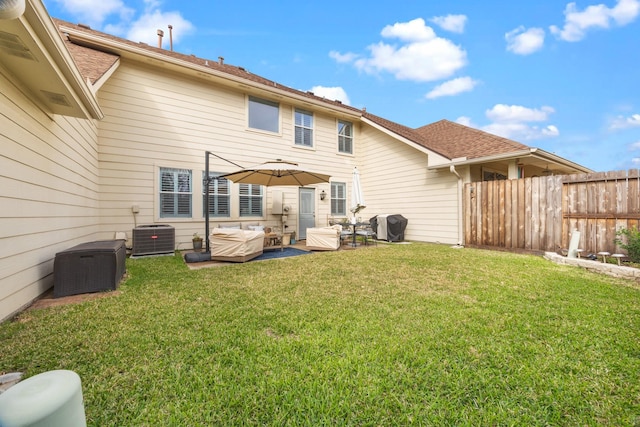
(264, 115)
(345, 137)
(304, 128)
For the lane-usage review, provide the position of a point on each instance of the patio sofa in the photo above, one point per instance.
(324, 238)
(235, 245)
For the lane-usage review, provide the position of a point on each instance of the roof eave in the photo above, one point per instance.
(520, 154)
(401, 138)
(158, 59)
(37, 22)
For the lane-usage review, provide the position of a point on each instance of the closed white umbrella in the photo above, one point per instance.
(357, 198)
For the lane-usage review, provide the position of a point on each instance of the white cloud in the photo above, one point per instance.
(453, 23)
(516, 113)
(332, 93)
(95, 12)
(514, 122)
(524, 42)
(521, 131)
(452, 87)
(635, 146)
(343, 57)
(466, 121)
(423, 57)
(622, 122)
(144, 29)
(578, 22)
(141, 29)
(412, 31)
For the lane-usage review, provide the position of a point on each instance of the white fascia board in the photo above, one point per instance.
(560, 160)
(103, 79)
(530, 152)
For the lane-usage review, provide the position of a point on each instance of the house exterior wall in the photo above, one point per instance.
(50, 194)
(395, 180)
(156, 119)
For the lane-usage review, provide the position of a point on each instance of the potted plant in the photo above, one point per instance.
(197, 242)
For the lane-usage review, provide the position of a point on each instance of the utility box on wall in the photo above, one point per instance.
(153, 240)
(276, 205)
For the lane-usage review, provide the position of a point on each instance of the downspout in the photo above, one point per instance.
(453, 170)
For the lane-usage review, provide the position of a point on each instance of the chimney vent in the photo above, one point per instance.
(160, 34)
(221, 60)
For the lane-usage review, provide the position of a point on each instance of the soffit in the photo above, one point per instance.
(33, 57)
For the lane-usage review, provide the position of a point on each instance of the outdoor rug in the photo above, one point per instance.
(277, 253)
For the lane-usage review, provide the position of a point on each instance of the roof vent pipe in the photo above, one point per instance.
(160, 34)
(11, 9)
(220, 60)
(171, 37)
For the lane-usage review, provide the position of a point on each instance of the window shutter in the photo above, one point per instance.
(175, 193)
(250, 200)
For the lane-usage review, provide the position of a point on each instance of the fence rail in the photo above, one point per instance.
(540, 213)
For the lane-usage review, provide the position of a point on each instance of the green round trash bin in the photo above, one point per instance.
(50, 399)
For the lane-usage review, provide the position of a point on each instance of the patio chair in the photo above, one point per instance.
(368, 235)
(346, 235)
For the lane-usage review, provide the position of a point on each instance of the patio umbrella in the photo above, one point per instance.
(357, 198)
(278, 172)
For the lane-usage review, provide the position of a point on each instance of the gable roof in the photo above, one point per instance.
(95, 52)
(454, 140)
(91, 63)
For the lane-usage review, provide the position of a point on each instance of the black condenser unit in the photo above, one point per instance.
(153, 240)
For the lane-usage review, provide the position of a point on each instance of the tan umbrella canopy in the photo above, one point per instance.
(278, 172)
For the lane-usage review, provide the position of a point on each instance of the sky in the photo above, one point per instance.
(560, 76)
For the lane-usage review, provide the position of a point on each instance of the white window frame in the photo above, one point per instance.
(338, 198)
(178, 192)
(215, 195)
(260, 111)
(302, 129)
(344, 139)
(253, 194)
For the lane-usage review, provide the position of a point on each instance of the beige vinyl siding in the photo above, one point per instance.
(395, 180)
(156, 119)
(49, 198)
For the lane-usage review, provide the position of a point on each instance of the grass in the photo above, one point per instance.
(394, 335)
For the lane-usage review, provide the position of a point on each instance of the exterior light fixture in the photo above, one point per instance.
(323, 194)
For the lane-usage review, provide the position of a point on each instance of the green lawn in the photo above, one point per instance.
(394, 335)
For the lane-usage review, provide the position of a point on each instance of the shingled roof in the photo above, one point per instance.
(454, 140)
(444, 137)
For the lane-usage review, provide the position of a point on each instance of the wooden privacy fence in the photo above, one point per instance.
(540, 213)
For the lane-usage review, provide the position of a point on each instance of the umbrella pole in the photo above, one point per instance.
(207, 179)
(206, 192)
